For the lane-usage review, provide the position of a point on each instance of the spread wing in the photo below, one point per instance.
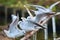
(13, 24)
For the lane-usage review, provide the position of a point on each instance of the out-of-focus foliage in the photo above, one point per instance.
(20, 3)
(13, 3)
(7, 2)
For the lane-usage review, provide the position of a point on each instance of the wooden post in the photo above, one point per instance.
(14, 11)
(46, 32)
(35, 36)
(5, 14)
(54, 28)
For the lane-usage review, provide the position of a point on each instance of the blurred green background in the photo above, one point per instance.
(8, 7)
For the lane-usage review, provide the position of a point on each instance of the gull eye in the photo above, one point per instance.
(36, 9)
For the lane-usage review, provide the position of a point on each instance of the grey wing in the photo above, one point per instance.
(37, 6)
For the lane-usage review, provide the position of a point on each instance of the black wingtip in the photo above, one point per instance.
(37, 24)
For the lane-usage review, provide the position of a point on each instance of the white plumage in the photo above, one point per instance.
(13, 31)
(27, 25)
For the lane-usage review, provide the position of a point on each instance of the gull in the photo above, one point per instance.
(42, 13)
(14, 31)
(28, 24)
(43, 10)
(25, 25)
(34, 18)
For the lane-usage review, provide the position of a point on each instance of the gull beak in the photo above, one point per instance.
(50, 13)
